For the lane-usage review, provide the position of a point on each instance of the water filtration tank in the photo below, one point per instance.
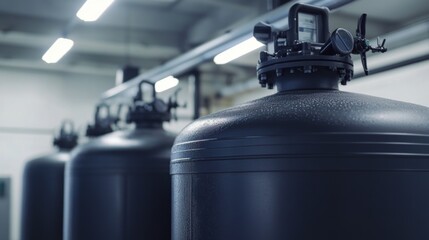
(118, 186)
(42, 196)
(309, 162)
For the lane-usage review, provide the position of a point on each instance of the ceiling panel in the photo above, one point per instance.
(145, 17)
(30, 24)
(396, 11)
(52, 9)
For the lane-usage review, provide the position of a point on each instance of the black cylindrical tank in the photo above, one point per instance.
(42, 196)
(118, 185)
(310, 162)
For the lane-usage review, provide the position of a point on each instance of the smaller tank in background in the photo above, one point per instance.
(42, 197)
(118, 185)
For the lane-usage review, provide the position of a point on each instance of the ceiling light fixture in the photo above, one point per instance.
(91, 10)
(237, 51)
(166, 83)
(60, 47)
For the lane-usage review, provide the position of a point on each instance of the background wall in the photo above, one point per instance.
(408, 84)
(32, 106)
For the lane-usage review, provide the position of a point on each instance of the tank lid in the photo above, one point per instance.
(307, 47)
(102, 124)
(153, 112)
(67, 137)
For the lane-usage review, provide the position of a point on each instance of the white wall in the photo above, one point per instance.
(39, 100)
(408, 84)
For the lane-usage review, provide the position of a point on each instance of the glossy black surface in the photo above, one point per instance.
(118, 187)
(304, 164)
(42, 199)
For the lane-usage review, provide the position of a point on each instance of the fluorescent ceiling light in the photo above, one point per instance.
(237, 51)
(60, 47)
(166, 83)
(91, 10)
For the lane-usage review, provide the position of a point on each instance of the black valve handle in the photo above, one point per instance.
(98, 110)
(139, 95)
(67, 124)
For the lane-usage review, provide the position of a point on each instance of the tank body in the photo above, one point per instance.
(118, 187)
(42, 200)
(304, 164)
(43, 189)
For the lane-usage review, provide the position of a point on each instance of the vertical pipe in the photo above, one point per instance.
(197, 93)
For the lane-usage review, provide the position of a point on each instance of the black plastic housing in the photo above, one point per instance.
(42, 197)
(118, 187)
(43, 189)
(304, 164)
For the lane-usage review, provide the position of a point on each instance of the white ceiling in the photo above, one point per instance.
(148, 33)
(143, 32)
